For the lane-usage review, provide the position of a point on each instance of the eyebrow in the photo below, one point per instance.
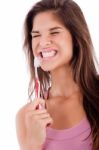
(51, 29)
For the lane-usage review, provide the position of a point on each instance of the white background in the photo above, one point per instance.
(13, 69)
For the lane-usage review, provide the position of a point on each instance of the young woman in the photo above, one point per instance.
(56, 32)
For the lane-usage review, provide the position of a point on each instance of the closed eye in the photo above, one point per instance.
(34, 36)
(54, 33)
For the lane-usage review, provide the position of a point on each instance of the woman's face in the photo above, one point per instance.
(51, 42)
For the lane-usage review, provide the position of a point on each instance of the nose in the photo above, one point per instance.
(45, 41)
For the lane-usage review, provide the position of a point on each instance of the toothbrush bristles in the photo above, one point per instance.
(36, 62)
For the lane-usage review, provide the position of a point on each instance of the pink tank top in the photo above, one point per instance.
(75, 138)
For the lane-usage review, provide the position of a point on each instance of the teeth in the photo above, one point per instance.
(48, 54)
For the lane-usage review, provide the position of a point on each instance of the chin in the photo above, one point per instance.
(49, 67)
(45, 69)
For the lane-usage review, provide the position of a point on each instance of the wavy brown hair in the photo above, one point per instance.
(83, 65)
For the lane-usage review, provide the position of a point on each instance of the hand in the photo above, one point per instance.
(31, 125)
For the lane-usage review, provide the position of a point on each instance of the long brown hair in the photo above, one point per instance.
(83, 65)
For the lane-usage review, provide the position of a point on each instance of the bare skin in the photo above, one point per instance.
(31, 125)
(65, 102)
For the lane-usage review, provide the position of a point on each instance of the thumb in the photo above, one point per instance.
(38, 104)
(41, 104)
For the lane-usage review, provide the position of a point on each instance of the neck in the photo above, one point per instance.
(66, 98)
(62, 83)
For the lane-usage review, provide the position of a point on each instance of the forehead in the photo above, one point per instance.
(46, 20)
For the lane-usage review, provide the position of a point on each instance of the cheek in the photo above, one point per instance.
(34, 46)
(68, 44)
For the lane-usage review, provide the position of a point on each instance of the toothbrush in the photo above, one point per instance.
(37, 81)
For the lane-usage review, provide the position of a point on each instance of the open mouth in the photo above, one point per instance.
(48, 54)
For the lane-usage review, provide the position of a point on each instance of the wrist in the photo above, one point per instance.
(34, 147)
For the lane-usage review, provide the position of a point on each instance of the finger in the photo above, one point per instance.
(37, 117)
(43, 116)
(47, 121)
(34, 104)
(35, 113)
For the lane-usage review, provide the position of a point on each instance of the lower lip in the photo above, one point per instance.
(48, 58)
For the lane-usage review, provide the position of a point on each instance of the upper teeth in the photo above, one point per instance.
(48, 53)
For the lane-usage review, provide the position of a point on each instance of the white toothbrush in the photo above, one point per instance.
(37, 81)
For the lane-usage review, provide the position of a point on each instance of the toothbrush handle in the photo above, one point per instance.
(37, 88)
(37, 91)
